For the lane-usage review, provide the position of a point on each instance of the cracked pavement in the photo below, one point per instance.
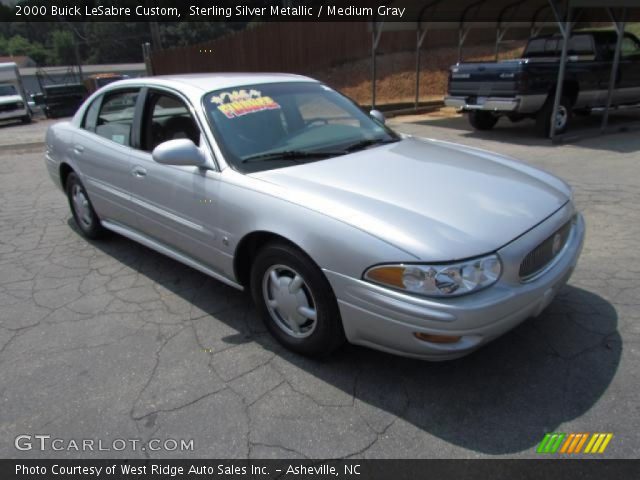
(110, 340)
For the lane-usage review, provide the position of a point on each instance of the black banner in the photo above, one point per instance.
(311, 10)
(584, 469)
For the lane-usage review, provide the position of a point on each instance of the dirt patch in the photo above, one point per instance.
(396, 73)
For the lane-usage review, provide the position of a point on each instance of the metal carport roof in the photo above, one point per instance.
(501, 15)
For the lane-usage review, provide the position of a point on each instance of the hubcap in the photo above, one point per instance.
(289, 301)
(561, 118)
(81, 206)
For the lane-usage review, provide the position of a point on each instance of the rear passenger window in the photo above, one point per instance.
(115, 119)
(630, 47)
(91, 115)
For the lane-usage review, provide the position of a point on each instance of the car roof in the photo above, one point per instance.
(199, 83)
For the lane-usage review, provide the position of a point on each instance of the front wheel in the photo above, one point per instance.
(296, 301)
(482, 120)
(83, 213)
(562, 120)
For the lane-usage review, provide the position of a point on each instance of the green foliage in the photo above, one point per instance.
(62, 48)
(18, 45)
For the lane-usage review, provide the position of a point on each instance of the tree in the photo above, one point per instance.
(62, 45)
(18, 45)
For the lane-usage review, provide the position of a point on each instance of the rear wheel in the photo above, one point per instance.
(81, 208)
(562, 120)
(482, 120)
(296, 301)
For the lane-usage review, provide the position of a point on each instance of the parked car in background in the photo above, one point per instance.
(339, 227)
(13, 101)
(525, 87)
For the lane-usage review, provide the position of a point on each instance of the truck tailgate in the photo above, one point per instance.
(498, 79)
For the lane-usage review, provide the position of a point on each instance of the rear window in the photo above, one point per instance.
(552, 46)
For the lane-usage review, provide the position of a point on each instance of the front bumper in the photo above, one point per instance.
(387, 320)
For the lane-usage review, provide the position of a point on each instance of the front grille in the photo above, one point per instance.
(7, 107)
(543, 254)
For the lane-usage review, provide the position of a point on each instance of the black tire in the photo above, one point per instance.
(86, 220)
(543, 118)
(482, 120)
(27, 118)
(324, 334)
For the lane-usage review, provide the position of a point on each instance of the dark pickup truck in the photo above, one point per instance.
(525, 88)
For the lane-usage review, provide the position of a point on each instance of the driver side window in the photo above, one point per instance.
(167, 118)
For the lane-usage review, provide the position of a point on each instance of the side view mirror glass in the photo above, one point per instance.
(181, 151)
(377, 115)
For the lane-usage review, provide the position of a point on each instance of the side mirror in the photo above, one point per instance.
(181, 152)
(377, 115)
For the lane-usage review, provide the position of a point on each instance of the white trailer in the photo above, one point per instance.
(13, 100)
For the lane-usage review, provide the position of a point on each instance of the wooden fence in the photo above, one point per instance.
(295, 47)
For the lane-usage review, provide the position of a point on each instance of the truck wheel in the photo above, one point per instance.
(296, 301)
(482, 120)
(543, 118)
(27, 118)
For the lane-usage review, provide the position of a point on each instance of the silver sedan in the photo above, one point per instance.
(340, 228)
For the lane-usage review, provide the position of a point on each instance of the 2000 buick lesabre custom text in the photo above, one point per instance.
(340, 228)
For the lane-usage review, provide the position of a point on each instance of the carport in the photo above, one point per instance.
(503, 15)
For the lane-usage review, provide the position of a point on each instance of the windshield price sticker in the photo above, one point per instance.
(241, 102)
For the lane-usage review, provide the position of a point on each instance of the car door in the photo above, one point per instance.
(102, 150)
(176, 205)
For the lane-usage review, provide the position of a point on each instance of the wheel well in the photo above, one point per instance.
(65, 170)
(570, 89)
(247, 250)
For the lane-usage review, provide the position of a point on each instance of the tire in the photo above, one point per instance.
(83, 213)
(27, 118)
(482, 120)
(543, 118)
(315, 334)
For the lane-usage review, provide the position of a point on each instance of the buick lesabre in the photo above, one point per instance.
(339, 227)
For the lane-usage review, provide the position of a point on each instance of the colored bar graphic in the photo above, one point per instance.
(581, 443)
(543, 444)
(551, 442)
(574, 442)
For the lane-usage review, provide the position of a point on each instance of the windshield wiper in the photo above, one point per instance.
(367, 143)
(292, 155)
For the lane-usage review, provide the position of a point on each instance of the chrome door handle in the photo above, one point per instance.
(78, 148)
(139, 172)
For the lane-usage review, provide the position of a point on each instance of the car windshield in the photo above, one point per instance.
(6, 90)
(275, 125)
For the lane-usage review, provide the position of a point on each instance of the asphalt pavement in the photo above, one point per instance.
(109, 340)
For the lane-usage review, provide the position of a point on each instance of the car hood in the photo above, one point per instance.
(435, 200)
(10, 99)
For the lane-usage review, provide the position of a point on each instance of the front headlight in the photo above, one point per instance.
(448, 280)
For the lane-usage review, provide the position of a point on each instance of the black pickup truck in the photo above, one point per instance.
(525, 87)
